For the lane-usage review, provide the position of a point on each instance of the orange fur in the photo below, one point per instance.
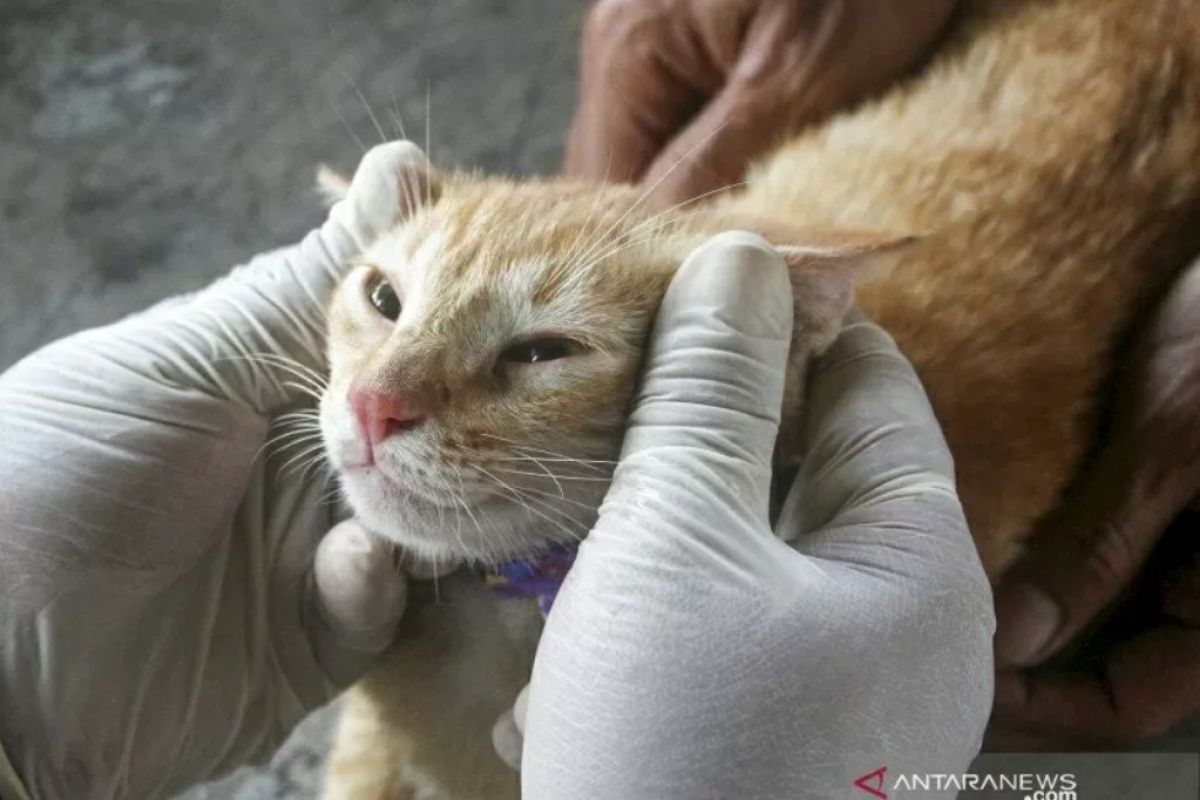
(1049, 162)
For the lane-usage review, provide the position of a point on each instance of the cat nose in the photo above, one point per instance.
(381, 415)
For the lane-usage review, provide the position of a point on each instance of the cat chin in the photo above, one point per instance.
(493, 531)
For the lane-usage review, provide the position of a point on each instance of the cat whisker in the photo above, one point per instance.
(307, 418)
(303, 389)
(448, 488)
(411, 193)
(303, 470)
(624, 242)
(548, 473)
(583, 478)
(523, 500)
(296, 424)
(564, 469)
(505, 549)
(319, 467)
(428, 145)
(367, 106)
(349, 128)
(549, 456)
(315, 381)
(397, 118)
(286, 439)
(660, 219)
(649, 190)
(305, 453)
(312, 386)
(554, 498)
(597, 468)
(332, 494)
(584, 238)
(628, 240)
(520, 446)
(298, 368)
(462, 500)
(650, 229)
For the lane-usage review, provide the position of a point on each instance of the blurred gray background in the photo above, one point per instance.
(147, 146)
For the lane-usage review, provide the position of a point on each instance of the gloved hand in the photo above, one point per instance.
(684, 94)
(691, 653)
(170, 609)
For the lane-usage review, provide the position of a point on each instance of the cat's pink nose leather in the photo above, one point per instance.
(381, 415)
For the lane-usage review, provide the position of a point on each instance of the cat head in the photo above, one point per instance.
(485, 351)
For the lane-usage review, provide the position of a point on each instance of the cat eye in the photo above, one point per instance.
(539, 350)
(383, 297)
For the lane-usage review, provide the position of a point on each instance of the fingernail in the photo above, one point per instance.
(738, 271)
(1028, 619)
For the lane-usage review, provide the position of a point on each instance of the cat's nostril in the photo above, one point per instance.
(381, 415)
(395, 425)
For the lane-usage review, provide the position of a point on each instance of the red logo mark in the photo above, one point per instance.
(872, 783)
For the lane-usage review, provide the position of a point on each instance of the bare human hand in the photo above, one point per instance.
(1119, 551)
(684, 94)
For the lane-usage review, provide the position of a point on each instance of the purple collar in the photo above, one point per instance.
(539, 576)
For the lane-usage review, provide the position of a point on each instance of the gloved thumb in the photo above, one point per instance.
(356, 598)
(703, 427)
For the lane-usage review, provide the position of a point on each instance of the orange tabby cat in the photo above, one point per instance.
(1048, 162)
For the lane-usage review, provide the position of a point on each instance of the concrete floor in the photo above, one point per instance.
(147, 146)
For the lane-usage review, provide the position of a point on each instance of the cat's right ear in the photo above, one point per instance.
(418, 183)
(392, 182)
(331, 185)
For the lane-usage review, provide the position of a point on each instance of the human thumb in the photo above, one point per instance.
(702, 431)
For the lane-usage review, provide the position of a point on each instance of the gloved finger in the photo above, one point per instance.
(258, 334)
(508, 734)
(875, 491)
(357, 596)
(507, 741)
(520, 708)
(697, 451)
(1090, 549)
(633, 93)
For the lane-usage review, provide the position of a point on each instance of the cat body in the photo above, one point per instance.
(1048, 162)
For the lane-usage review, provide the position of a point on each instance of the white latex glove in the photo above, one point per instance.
(693, 654)
(166, 613)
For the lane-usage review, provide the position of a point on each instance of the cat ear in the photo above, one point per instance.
(824, 276)
(331, 185)
(863, 257)
(825, 266)
(419, 183)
